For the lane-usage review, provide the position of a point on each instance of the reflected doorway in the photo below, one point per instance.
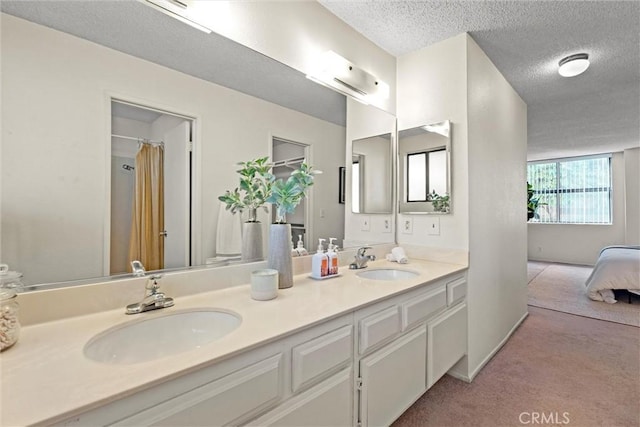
(150, 196)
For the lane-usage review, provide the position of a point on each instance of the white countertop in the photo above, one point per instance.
(46, 378)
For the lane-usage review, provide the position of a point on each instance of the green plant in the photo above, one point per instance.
(256, 182)
(286, 195)
(532, 202)
(440, 203)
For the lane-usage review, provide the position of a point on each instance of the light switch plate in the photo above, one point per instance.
(407, 225)
(365, 223)
(386, 225)
(433, 226)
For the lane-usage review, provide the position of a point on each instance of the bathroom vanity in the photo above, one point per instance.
(346, 351)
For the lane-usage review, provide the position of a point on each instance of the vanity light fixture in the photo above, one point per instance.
(176, 9)
(338, 73)
(573, 65)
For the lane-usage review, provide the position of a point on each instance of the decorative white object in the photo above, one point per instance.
(264, 284)
(399, 255)
(280, 254)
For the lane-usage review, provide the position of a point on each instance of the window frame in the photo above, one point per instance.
(558, 191)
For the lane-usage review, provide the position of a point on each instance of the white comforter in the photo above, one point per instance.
(618, 267)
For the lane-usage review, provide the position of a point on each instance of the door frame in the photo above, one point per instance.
(195, 167)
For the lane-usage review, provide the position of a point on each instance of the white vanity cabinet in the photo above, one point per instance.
(405, 344)
(392, 378)
(364, 368)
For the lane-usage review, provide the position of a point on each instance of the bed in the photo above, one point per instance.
(618, 267)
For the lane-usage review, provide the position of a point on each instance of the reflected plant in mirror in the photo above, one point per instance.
(254, 190)
(424, 157)
(287, 195)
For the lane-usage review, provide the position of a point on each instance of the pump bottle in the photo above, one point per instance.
(333, 256)
(320, 262)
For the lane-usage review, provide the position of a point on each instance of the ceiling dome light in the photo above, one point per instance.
(573, 65)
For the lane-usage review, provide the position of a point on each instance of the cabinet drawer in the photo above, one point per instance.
(378, 327)
(230, 399)
(423, 306)
(329, 403)
(456, 290)
(318, 358)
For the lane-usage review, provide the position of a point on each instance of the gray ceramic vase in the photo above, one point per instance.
(252, 242)
(280, 254)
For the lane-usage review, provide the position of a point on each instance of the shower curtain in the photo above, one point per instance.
(146, 242)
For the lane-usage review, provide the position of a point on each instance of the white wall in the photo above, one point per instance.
(432, 87)
(55, 102)
(581, 243)
(497, 204)
(632, 196)
(454, 80)
(297, 33)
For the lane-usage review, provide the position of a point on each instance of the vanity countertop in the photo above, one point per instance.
(46, 378)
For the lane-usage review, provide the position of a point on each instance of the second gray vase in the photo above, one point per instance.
(252, 242)
(280, 254)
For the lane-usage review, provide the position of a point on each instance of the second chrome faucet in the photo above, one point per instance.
(362, 258)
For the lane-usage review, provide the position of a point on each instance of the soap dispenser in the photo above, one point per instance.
(320, 262)
(333, 256)
(300, 249)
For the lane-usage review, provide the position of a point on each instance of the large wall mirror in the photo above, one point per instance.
(424, 169)
(372, 175)
(58, 120)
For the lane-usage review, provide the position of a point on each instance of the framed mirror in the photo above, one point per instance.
(372, 175)
(424, 169)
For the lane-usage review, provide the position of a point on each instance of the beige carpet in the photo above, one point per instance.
(561, 287)
(555, 364)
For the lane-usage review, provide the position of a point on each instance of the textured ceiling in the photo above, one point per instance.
(597, 111)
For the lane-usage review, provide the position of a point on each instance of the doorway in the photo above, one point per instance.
(286, 157)
(169, 245)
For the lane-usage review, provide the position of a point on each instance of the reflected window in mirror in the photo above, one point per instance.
(426, 172)
(424, 169)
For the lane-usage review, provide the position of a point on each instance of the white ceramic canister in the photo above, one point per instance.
(264, 284)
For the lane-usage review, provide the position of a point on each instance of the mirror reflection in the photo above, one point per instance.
(75, 115)
(424, 155)
(371, 175)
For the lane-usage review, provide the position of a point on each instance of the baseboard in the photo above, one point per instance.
(459, 375)
(493, 353)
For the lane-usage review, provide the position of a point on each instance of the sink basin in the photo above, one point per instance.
(387, 274)
(152, 338)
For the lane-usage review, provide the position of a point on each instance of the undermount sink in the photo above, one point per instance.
(148, 339)
(387, 274)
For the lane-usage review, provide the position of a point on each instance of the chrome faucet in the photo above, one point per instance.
(153, 299)
(362, 258)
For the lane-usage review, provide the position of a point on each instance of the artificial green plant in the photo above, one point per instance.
(286, 195)
(255, 188)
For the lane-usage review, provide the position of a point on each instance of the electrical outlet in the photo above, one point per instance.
(365, 223)
(386, 225)
(433, 226)
(407, 225)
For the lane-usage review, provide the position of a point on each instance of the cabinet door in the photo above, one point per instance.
(393, 378)
(327, 404)
(227, 400)
(447, 342)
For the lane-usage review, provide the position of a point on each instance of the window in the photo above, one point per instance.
(572, 191)
(425, 174)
